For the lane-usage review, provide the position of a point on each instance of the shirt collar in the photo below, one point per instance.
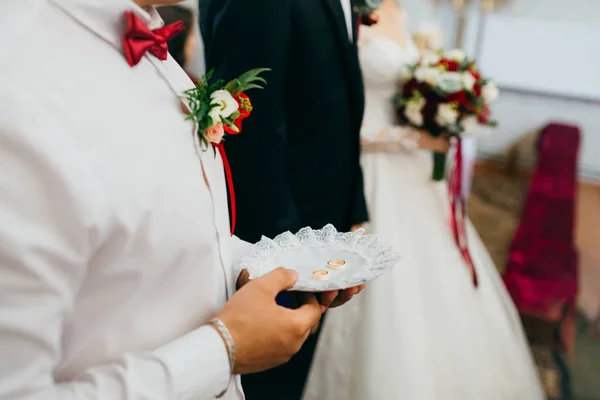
(106, 18)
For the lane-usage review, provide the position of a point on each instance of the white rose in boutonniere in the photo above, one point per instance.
(218, 108)
(225, 105)
(447, 115)
(455, 55)
(490, 92)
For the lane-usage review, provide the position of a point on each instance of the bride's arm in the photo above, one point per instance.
(403, 138)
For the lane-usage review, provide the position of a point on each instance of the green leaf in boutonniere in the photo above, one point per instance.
(218, 107)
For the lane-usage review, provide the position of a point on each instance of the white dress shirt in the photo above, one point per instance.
(115, 247)
(347, 7)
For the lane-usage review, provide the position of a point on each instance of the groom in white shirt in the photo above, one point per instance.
(116, 278)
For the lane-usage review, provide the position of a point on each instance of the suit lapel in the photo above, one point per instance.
(348, 52)
(336, 14)
(355, 21)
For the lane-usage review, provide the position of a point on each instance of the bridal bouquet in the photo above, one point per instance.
(444, 93)
(218, 107)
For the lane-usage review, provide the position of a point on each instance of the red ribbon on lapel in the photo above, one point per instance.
(229, 179)
(138, 39)
(458, 211)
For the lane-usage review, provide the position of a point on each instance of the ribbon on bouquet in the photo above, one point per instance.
(229, 179)
(458, 210)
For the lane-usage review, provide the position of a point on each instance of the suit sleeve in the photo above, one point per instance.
(360, 214)
(241, 35)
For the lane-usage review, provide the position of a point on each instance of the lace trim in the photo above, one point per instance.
(377, 256)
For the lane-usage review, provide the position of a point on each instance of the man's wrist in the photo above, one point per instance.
(222, 330)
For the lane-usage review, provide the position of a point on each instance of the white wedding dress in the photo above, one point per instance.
(421, 331)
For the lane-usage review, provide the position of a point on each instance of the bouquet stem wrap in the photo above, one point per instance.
(458, 217)
(439, 166)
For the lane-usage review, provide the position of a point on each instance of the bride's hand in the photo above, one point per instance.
(439, 144)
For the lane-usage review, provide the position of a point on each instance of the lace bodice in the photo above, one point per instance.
(383, 62)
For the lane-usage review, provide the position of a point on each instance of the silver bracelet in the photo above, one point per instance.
(227, 338)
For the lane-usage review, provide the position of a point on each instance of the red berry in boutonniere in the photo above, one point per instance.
(245, 108)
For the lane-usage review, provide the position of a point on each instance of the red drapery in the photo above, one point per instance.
(541, 273)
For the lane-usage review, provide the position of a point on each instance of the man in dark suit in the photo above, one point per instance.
(296, 163)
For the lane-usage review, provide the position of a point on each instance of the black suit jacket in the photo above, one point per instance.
(296, 162)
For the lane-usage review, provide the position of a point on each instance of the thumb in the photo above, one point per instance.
(278, 280)
(310, 312)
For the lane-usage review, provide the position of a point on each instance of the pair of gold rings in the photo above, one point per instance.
(322, 274)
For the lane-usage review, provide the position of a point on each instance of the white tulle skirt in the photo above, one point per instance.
(422, 331)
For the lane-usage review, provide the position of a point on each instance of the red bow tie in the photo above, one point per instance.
(138, 39)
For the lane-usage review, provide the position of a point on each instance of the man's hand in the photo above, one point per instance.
(243, 279)
(330, 299)
(336, 298)
(357, 227)
(265, 334)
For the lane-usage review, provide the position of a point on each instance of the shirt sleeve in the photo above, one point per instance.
(50, 224)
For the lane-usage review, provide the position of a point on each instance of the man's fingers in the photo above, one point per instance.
(243, 278)
(344, 296)
(326, 298)
(278, 280)
(309, 313)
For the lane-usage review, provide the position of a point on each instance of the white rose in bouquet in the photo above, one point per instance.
(427, 74)
(455, 55)
(405, 74)
(450, 82)
(430, 58)
(446, 115)
(413, 113)
(469, 125)
(225, 105)
(468, 80)
(490, 92)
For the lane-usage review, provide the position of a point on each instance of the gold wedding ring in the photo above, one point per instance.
(336, 264)
(320, 274)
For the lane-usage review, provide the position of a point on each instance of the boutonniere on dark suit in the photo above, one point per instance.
(364, 9)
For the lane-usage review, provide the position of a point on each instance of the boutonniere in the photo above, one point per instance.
(218, 108)
(365, 8)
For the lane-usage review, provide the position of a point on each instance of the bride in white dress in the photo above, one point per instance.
(422, 331)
